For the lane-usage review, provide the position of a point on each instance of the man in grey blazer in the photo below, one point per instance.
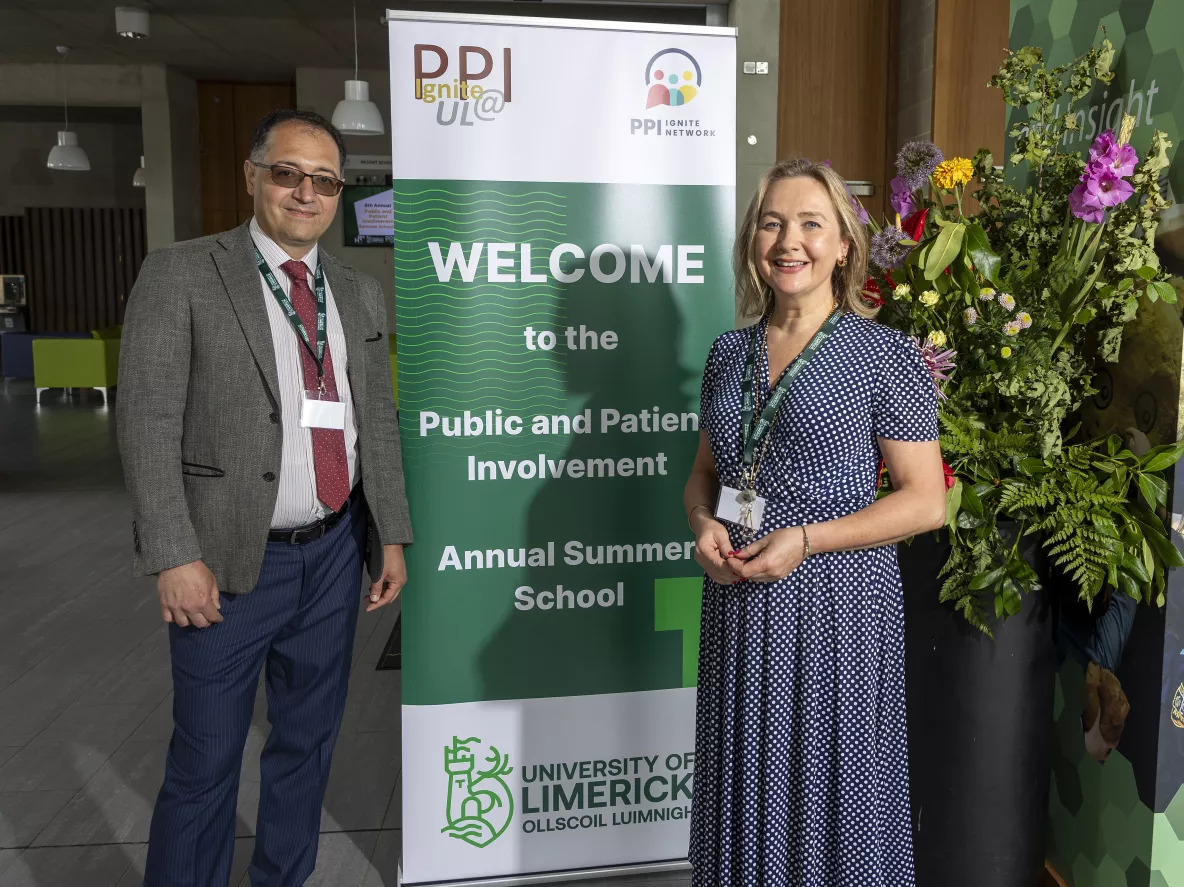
(261, 449)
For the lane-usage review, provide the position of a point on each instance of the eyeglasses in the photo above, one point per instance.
(287, 177)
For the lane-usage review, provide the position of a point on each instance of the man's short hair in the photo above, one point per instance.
(311, 119)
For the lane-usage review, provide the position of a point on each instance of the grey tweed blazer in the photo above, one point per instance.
(199, 411)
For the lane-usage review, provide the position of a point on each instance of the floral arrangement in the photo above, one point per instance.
(1015, 299)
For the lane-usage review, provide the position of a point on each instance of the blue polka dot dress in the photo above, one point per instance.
(801, 771)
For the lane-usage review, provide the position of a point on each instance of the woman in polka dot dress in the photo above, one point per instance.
(801, 774)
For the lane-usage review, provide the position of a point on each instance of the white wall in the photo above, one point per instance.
(320, 89)
(25, 181)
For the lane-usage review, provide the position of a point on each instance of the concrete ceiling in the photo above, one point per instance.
(261, 39)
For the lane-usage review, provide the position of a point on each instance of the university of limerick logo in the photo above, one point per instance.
(673, 77)
(480, 805)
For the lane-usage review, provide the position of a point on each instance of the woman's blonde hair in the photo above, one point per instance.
(754, 295)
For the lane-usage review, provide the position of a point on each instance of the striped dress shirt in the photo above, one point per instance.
(296, 501)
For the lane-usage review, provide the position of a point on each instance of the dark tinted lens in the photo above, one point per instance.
(286, 178)
(326, 186)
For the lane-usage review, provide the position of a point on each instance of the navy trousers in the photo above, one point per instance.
(298, 623)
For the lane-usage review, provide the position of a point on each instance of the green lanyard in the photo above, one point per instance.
(318, 354)
(750, 434)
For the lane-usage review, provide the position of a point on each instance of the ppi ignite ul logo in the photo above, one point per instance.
(673, 78)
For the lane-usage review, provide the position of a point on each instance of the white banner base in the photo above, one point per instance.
(674, 866)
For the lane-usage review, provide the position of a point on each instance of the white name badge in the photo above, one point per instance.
(322, 411)
(740, 508)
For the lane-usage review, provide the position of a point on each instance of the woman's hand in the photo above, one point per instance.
(770, 558)
(712, 547)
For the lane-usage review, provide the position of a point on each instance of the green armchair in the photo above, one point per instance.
(77, 363)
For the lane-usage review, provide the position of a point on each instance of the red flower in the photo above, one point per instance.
(951, 479)
(914, 225)
(871, 293)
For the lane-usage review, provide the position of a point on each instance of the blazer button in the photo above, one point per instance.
(275, 420)
(269, 476)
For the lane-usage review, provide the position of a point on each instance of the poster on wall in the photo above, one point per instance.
(367, 214)
(563, 212)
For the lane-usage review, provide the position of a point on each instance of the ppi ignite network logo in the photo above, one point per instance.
(673, 77)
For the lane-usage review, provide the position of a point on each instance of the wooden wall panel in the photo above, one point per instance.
(80, 266)
(836, 83)
(227, 114)
(970, 43)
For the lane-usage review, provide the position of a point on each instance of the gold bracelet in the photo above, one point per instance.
(692, 511)
(805, 543)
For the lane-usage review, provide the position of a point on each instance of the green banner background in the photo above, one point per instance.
(461, 347)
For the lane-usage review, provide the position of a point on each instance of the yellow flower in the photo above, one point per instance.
(955, 171)
(929, 298)
(937, 338)
(1005, 351)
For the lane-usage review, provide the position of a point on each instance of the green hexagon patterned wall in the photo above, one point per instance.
(1148, 36)
(1100, 833)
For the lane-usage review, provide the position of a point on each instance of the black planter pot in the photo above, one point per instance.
(980, 730)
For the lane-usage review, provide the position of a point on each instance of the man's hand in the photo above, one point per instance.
(189, 596)
(394, 577)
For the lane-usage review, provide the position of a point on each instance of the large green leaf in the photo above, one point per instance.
(1154, 489)
(1136, 567)
(986, 580)
(953, 504)
(943, 251)
(980, 252)
(1162, 457)
(971, 502)
(1163, 547)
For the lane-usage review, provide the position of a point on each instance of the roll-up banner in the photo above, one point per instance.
(563, 207)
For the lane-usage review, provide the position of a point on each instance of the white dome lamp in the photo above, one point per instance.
(356, 114)
(132, 22)
(139, 180)
(67, 154)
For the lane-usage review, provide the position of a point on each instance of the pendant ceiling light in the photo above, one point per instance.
(132, 22)
(138, 180)
(67, 154)
(356, 114)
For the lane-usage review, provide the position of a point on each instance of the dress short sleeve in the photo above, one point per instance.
(906, 403)
(710, 380)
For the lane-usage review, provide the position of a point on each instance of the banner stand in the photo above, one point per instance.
(563, 205)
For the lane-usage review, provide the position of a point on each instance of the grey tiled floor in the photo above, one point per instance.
(85, 689)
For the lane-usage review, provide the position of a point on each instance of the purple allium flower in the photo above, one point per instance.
(902, 198)
(1108, 189)
(939, 363)
(887, 251)
(916, 162)
(1085, 205)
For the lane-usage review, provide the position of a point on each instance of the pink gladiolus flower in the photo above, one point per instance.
(1085, 205)
(1109, 189)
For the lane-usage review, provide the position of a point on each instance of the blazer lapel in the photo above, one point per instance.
(354, 323)
(235, 258)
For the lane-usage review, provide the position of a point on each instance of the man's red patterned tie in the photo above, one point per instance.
(328, 444)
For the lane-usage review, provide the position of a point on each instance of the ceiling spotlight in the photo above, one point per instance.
(131, 21)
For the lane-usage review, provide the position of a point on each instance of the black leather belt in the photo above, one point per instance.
(313, 532)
